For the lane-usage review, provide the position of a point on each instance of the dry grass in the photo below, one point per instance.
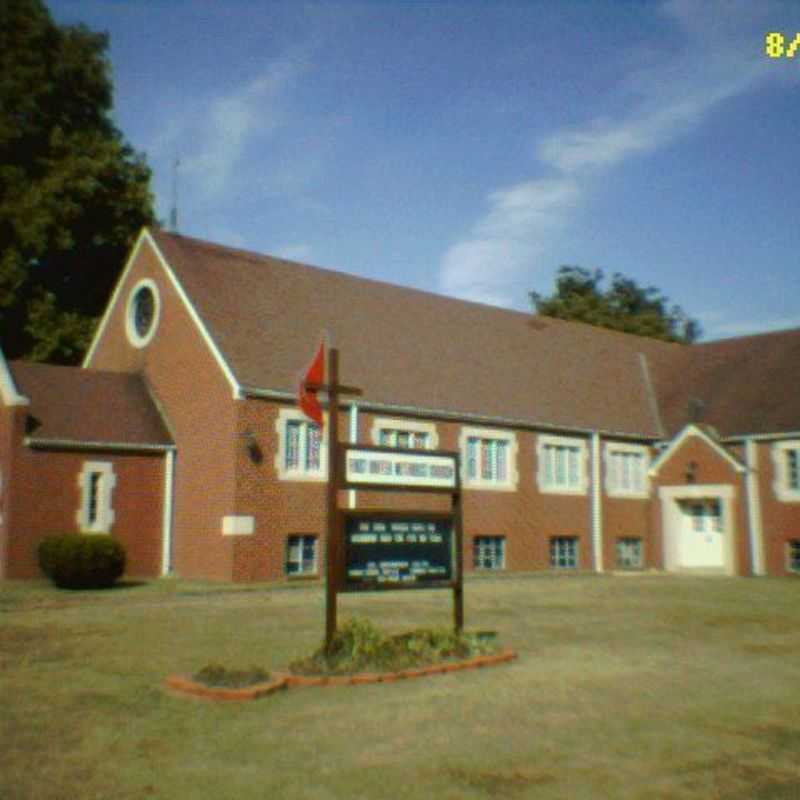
(675, 688)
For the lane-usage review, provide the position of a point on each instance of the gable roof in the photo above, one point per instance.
(698, 432)
(741, 386)
(80, 407)
(411, 349)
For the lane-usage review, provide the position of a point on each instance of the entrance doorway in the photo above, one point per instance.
(699, 528)
(701, 533)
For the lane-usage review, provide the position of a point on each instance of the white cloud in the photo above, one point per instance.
(500, 247)
(211, 134)
(234, 120)
(717, 61)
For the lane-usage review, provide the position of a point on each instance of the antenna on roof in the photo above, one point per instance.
(173, 213)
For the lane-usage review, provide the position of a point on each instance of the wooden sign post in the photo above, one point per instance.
(387, 549)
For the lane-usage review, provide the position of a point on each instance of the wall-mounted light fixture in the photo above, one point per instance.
(252, 447)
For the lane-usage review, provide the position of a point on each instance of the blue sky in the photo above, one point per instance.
(471, 148)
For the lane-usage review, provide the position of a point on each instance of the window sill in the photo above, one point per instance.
(578, 492)
(787, 495)
(489, 487)
(621, 495)
(303, 477)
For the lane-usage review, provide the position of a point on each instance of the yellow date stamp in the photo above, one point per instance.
(776, 45)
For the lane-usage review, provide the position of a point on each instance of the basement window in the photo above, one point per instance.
(301, 555)
(793, 555)
(629, 553)
(489, 552)
(564, 552)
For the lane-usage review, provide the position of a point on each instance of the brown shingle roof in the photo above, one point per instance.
(741, 386)
(410, 348)
(87, 406)
(415, 349)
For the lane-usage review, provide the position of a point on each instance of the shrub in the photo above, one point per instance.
(82, 560)
(359, 646)
(218, 675)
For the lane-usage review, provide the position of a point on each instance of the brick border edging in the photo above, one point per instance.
(185, 685)
(286, 680)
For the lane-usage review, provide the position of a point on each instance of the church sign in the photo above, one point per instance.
(378, 466)
(398, 550)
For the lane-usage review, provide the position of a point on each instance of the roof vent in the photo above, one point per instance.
(696, 408)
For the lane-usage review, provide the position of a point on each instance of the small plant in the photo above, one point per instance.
(82, 560)
(359, 646)
(219, 676)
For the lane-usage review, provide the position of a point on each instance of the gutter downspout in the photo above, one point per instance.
(351, 494)
(597, 505)
(166, 536)
(756, 538)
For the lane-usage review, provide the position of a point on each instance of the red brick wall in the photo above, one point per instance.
(780, 521)
(11, 424)
(526, 517)
(198, 401)
(625, 518)
(46, 498)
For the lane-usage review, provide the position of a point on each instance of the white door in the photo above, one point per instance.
(701, 533)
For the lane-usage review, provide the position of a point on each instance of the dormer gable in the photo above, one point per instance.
(691, 436)
(130, 324)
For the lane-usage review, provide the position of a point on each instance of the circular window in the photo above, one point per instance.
(142, 317)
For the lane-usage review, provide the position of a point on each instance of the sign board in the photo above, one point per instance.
(394, 550)
(401, 469)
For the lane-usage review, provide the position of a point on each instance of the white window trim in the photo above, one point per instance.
(130, 325)
(412, 425)
(105, 513)
(780, 484)
(543, 441)
(637, 449)
(512, 475)
(286, 415)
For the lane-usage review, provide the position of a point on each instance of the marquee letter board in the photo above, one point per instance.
(396, 551)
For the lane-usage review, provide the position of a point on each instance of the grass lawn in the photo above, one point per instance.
(625, 687)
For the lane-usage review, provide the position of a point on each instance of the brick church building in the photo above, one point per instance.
(580, 448)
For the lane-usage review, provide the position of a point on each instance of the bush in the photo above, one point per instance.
(358, 646)
(82, 560)
(218, 675)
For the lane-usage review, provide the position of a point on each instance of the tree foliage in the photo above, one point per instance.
(73, 193)
(623, 306)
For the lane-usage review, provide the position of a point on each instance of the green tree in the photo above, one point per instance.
(623, 306)
(73, 193)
